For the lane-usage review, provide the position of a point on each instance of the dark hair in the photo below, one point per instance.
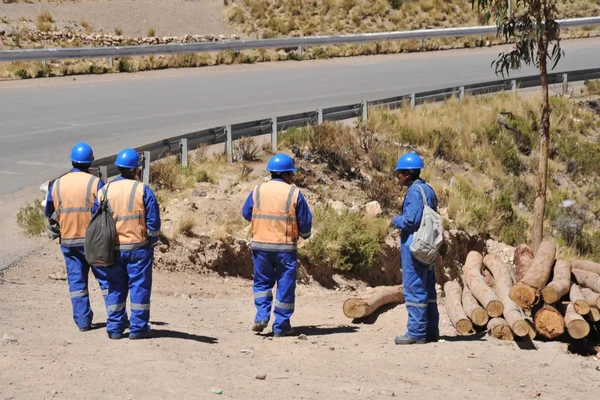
(83, 167)
(413, 173)
(126, 170)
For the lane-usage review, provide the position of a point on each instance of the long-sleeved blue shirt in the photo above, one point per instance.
(49, 209)
(303, 214)
(152, 211)
(412, 209)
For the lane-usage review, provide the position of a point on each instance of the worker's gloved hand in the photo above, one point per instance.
(52, 227)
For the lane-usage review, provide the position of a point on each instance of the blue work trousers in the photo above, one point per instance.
(77, 277)
(131, 274)
(271, 267)
(418, 282)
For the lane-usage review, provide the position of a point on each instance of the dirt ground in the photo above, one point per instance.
(135, 18)
(203, 342)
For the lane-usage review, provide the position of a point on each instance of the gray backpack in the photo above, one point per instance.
(430, 236)
(100, 235)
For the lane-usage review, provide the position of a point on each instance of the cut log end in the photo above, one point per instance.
(464, 326)
(524, 295)
(550, 295)
(521, 328)
(479, 316)
(581, 307)
(578, 329)
(355, 308)
(549, 322)
(498, 328)
(495, 308)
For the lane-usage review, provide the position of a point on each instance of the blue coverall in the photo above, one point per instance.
(280, 267)
(78, 271)
(418, 279)
(132, 272)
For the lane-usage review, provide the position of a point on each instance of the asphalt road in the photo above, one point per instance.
(42, 119)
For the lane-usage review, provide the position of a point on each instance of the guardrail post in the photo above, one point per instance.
(513, 85)
(183, 144)
(300, 51)
(111, 62)
(413, 100)
(103, 172)
(365, 110)
(146, 170)
(421, 43)
(274, 134)
(320, 116)
(565, 83)
(461, 93)
(229, 144)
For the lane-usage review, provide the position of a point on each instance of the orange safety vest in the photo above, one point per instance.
(274, 225)
(126, 202)
(73, 195)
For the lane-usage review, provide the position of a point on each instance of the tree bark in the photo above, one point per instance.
(523, 258)
(513, 314)
(498, 328)
(473, 309)
(482, 292)
(586, 266)
(577, 327)
(549, 322)
(526, 292)
(561, 283)
(578, 300)
(488, 278)
(540, 200)
(587, 279)
(454, 308)
(371, 300)
(592, 297)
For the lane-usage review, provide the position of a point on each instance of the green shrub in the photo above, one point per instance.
(347, 242)
(31, 218)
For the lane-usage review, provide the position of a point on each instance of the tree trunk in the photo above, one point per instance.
(577, 327)
(549, 322)
(523, 258)
(587, 279)
(512, 312)
(561, 282)
(454, 308)
(540, 200)
(482, 292)
(594, 314)
(592, 297)
(586, 266)
(371, 300)
(498, 328)
(473, 309)
(526, 292)
(578, 300)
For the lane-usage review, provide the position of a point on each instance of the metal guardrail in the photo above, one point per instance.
(182, 144)
(238, 45)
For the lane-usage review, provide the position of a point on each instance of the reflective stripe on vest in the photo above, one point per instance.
(73, 195)
(274, 225)
(126, 201)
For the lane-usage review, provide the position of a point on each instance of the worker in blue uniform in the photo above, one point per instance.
(136, 213)
(68, 210)
(418, 279)
(279, 215)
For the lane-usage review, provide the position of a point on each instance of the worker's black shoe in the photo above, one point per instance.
(259, 326)
(432, 339)
(143, 335)
(286, 333)
(85, 329)
(115, 336)
(407, 340)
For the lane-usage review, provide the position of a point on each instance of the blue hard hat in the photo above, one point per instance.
(281, 163)
(128, 158)
(409, 161)
(82, 153)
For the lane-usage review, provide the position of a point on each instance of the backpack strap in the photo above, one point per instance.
(425, 203)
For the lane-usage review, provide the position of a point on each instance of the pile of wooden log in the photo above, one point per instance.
(539, 295)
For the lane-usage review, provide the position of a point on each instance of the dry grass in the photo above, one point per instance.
(31, 218)
(233, 225)
(274, 18)
(44, 21)
(245, 149)
(186, 225)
